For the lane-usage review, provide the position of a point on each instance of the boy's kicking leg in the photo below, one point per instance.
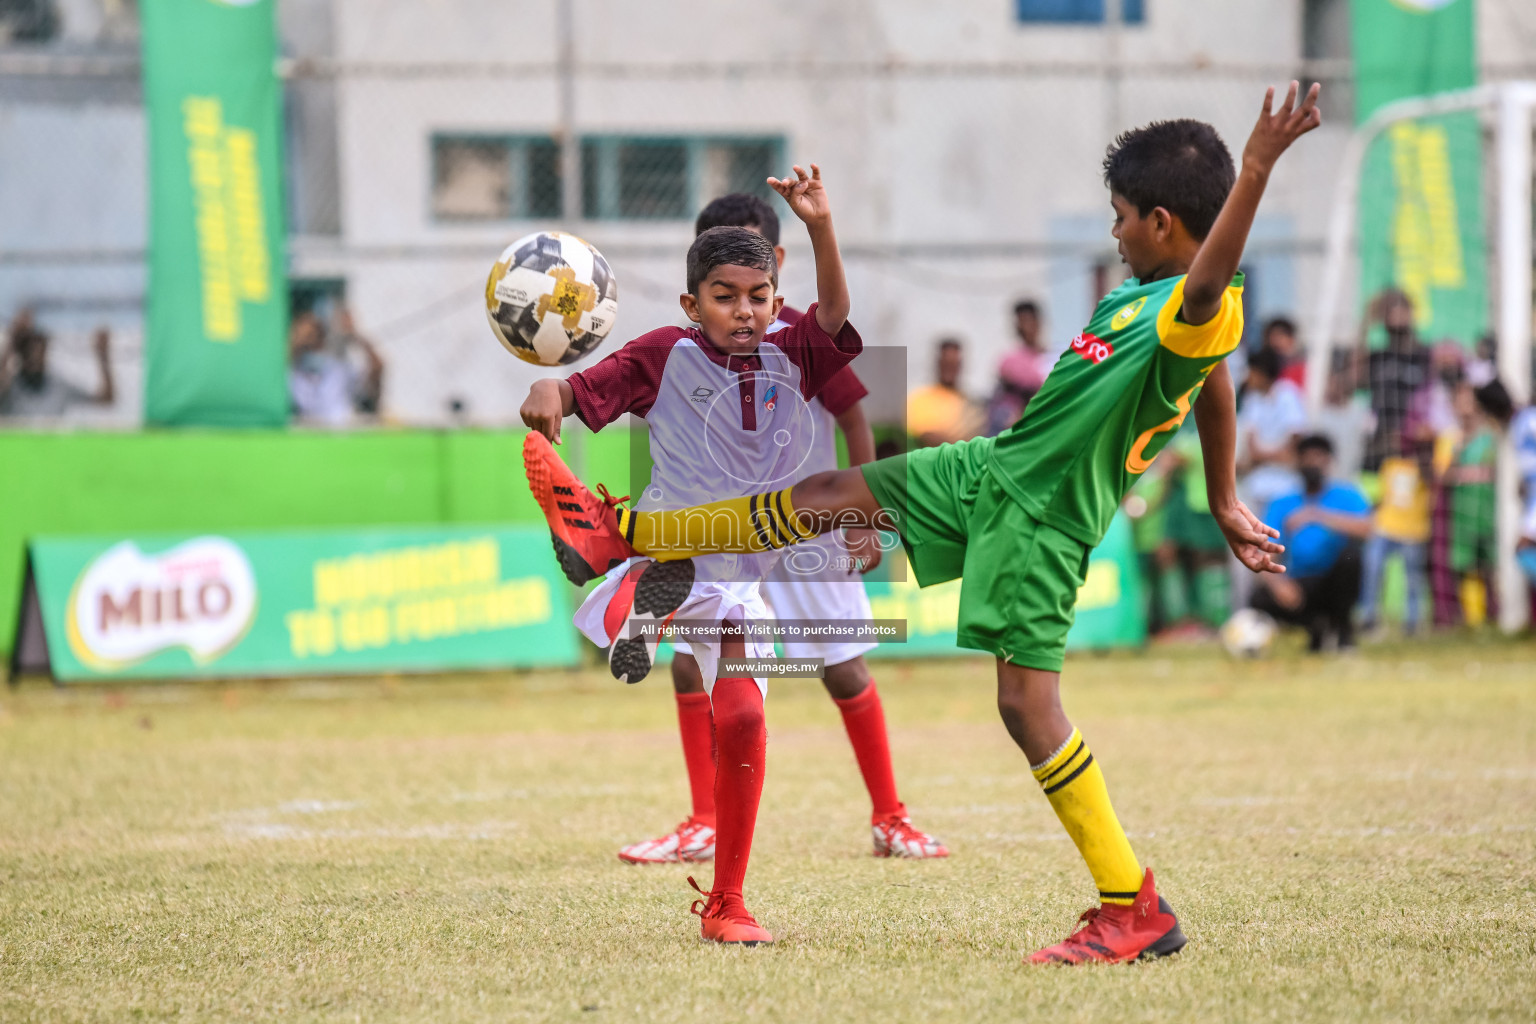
(1132, 921)
(593, 533)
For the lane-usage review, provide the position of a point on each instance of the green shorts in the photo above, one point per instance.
(1020, 576)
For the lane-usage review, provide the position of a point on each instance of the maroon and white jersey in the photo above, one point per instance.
(720, 425)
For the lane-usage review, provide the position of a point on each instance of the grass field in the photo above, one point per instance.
(1344, 840)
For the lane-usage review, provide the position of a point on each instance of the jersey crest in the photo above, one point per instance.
(770, 398)
(1128, 313)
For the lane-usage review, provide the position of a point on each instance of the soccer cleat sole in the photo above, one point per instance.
(630, 660)
(572, 564)
(660, 591)
(664, 587)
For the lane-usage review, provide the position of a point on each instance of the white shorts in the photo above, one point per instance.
(812, 583)
(715, 602)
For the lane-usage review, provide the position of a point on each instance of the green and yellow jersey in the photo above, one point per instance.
(1113, 400)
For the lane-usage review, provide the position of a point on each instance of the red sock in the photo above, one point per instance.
(741, 739)
(864, 718)
(697, 724)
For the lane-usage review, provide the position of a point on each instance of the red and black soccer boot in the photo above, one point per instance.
(638, 613)
(584, 526)
(1116, 934)
(725, 920)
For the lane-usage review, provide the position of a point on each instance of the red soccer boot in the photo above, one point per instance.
(584, 526)
(725, 920)
(1115, 934)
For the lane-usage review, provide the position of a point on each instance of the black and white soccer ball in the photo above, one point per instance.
(551, 298)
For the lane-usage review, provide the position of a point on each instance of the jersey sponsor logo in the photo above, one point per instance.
(701, 394)
(1092, 348)
(770, 398)
(1123, 318)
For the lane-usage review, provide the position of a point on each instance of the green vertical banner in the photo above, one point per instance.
(215, 339)
(1421, 206)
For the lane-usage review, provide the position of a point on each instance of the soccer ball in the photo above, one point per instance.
(551, 298)
(1248, 633)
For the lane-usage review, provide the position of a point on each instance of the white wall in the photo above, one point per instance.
(950, 186)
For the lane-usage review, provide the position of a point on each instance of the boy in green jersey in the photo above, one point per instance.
(1017, 515)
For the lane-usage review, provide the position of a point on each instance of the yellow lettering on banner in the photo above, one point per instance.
(252, 269)
(234, 264)
(1426, 231)
(383, 575)
(1446, 269)
(311, 634)
(405, 595)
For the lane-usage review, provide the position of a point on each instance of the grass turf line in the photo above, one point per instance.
(1349, 839)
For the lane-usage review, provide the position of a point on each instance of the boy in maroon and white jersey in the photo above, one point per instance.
(818, 581)
(727, 404)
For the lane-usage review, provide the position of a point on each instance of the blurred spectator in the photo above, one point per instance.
(1402, 528)
(28, 389)
(1392, 375)
(1432, 409)
(1321, 526)
(1022, 371)
(1483, 367)
(1434, 412)
(939, 412)
(1272, 416)
(324, 384)
(1345, 419)
(1280, 338)
(1468, 474)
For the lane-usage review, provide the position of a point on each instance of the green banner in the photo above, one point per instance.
(265, 604)
(1109, 604)
(215, 337)
(1421, 204)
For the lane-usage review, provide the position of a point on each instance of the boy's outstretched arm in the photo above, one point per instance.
(1216, 417)
(807, 196)
(1219, 255)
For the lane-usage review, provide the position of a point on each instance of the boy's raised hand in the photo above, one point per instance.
(806, 195)
(1278, 128)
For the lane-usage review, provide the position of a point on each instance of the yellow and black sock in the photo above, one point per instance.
(753, 523)
(1075, 787)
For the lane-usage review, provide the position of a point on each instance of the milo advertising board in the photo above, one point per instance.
(301, 603)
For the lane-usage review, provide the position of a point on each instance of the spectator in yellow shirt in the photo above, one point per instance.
(940, 413)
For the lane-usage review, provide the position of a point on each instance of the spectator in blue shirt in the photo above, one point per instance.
(1323, 527)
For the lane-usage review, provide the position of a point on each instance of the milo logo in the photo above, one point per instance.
(127, 606)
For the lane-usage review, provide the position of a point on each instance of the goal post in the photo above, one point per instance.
(1509, 107)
